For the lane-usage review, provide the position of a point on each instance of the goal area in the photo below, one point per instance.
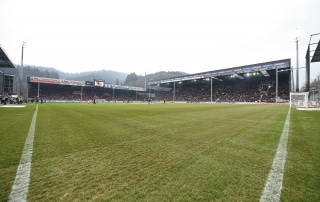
(299, 99)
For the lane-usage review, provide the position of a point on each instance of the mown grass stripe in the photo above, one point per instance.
(19, 190)
(273, 186)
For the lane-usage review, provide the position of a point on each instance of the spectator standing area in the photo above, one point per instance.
(264, 82)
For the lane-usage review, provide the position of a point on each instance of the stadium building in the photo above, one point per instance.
(60, 90)
(8, 83)
(265, 82)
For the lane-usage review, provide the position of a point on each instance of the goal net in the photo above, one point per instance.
(299, 99)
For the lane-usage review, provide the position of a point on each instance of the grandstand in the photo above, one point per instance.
(60, 90)
(5, 61)
(8, 83)
(312, 56)
(267, 82)
(263, 82)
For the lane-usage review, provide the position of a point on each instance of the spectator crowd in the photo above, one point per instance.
(228, 90)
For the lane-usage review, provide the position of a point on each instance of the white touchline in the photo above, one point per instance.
(273, 186)
(19, 190)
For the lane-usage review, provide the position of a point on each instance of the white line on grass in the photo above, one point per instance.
(273, 186)
(19, 190)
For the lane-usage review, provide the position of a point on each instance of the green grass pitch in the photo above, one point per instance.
(159, 152)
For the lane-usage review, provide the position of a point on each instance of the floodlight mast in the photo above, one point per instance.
(174, 92)
(21, 68)
(145, 81)
(113, 93)
(38, 89)
(276, 84)
(211, 91)
(81, 93)
(297, 69)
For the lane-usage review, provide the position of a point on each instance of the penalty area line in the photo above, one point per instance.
(19, 190)
(273, 186)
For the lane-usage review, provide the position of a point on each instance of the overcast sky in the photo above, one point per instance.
(150, 36)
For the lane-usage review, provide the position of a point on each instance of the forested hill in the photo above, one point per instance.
(139, 81)
(109, 76)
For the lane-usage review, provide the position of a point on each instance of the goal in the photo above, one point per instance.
(299, 99)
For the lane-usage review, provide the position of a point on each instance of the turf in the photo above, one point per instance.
(159, 152)
(302, 174)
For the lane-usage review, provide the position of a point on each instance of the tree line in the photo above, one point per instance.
(110, 76)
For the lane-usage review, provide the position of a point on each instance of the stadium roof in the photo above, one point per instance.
(54, 81)
(262, 67)
(316, 55)
(5, 61)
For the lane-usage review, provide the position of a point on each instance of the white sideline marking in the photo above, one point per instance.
(19, 190)
(17, 106)
(273, 186)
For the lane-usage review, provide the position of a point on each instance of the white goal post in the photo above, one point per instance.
(299, 99)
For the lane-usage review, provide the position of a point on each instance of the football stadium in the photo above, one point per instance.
(243, 133)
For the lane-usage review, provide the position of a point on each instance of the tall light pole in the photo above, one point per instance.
(113, 93)
(318, 86)
(211, 90)
(276, 84)
(38, 89)
(145, 81)
(297, 70)
(81, 93)
(21, 68)
(174, 92)
(292, 81)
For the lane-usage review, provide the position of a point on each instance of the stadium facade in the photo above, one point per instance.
(8, 83)
(269, 80)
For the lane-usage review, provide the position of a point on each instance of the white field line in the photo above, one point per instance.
(273, 186)
(19, 190)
